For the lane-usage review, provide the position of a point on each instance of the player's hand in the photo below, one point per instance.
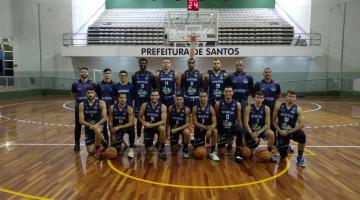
(174, 130)
(208, 133)
(113, 130)
(147, 125)
(283, 133)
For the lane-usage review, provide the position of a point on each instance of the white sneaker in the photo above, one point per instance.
(214, 156)
(131, 153)
(138, 141)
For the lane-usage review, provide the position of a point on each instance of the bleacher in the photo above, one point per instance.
(252, 26)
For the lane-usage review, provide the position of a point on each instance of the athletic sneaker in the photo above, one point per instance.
(162, 154)
(214, 156)
(186, 155)
(131, 153)
(300, 161)
(238, 157)
(138, 141)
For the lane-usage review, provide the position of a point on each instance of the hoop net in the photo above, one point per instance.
(193, 41)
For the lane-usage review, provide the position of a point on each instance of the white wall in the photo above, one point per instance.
(297, 12)
(85, 12)
(5, 18)
(55, 19)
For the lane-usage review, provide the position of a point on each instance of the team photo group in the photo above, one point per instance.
(209, 110)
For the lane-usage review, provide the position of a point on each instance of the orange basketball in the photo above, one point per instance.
(245, 152)
(262, 154)
(110, 153)
(200, 152)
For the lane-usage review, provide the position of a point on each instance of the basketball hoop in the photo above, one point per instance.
(193, 41)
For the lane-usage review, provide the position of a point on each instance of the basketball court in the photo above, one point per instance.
(318, 59)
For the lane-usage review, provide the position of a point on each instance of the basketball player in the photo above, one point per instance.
(178, 122)
(78, 91)
(242, 84)
(191, 82)
(104, 90)
(214, 82)
(124, 87)
(143, 82)
(257, 124)
(121, 121)
(152, 115)
(92, 114)
(204, 118)
(288, 120)
(167, 82)
(229, 122)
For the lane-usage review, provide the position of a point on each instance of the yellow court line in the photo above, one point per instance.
(201, 186)
(22, 194)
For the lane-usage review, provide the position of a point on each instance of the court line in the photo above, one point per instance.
(65, 106)
(333, 146)
(200, 186)
(22, 194)
(315, 109)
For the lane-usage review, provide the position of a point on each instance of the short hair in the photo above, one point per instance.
(85, 68)
(107, 70)
(267, 68)
(191, 59)
(155, 90)
(91, 89)
(259, 93)
(122, 93)
(228, 86)
(291, 91)
(166, 59)
(179, 94)
(143, 59)
(123, 71)
(216, 59)
(203, 91)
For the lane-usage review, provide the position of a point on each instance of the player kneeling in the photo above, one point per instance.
(121, 121)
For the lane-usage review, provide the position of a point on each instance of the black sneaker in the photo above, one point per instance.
(162, 154)
(238, 157)
(77, 146)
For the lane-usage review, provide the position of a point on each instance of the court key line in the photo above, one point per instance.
(200, 186)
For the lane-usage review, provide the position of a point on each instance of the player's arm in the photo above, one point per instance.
(182, 82)
(201, 82)
(195, 121)
(278, 91)
(141, 113)
(277, 127)
(103, 113)
(111, 119)
(168, 118)
(73, 91)
(178, 81)
(153, 81)
(82, 116)
(213, 119)
(162, 122)
(157, 80)
(205, 82)
(246, 119)
(255, 88)
(187, 120)
(250, 85)
(217, 107)
(238, 115)
(267, 121)
(300, 122)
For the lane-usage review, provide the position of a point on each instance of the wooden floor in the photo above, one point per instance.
(37, 161)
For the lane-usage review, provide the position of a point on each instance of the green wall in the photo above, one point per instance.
(182, 4)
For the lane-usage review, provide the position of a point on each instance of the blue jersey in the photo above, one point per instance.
(177, 118)
(79, 88)
(191, 83)
(128, 89)
(167, 83)
(216, 85)
(227, 114)
(92, 113)
(203, 115)
(242, 84)
(287, 118)
(120, 117)
(105, 92)
(153, 115)
(271, 91)
(257, 117)
(142, 85)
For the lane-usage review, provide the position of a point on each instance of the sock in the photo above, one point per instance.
(212, 148)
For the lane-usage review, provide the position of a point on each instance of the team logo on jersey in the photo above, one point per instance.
(292, 111)
(273, 89)
(245, 81)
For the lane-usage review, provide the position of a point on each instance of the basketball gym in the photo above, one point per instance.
(311, 46)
